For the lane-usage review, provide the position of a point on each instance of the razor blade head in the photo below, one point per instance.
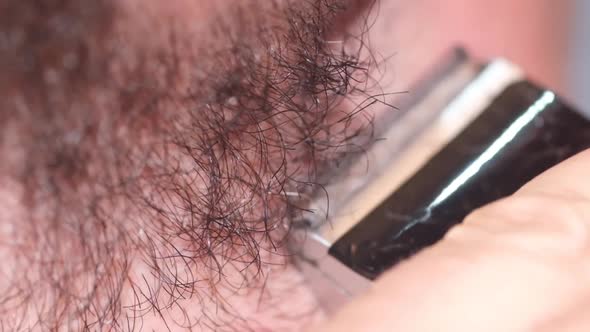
(473, 134)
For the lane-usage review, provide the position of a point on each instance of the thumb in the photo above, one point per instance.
(517, 264)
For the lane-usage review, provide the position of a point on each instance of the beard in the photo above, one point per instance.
(176, 155)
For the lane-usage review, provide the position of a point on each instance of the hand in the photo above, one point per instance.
(519, 264)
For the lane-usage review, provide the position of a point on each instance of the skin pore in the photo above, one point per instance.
(149, 148)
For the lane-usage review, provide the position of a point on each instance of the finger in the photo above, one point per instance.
(574, 319)
(508, 267)
(570, 178)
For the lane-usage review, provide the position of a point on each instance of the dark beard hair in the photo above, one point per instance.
(124, 165)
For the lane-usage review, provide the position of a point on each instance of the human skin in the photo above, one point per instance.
(518, 264)
(532, 34)
(416, 33)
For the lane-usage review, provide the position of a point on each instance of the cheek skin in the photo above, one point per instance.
(529, 33)
(532, 33)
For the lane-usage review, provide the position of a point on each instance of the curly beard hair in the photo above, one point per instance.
(178, 160)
